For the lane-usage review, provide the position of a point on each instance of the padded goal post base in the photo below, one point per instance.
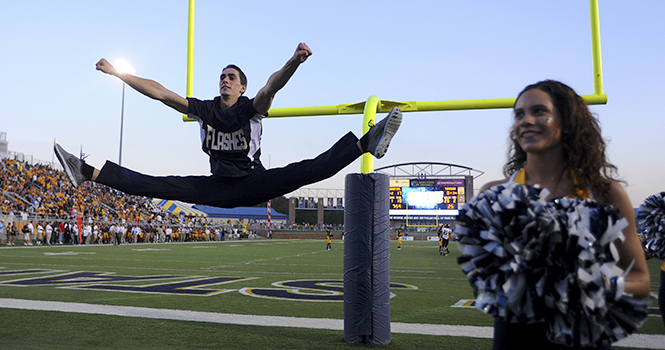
(367, 259)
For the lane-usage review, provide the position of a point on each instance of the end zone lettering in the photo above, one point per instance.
(299, 290)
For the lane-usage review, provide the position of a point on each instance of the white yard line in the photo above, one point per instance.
(647, 341)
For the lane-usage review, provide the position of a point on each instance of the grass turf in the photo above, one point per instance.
(439, 281)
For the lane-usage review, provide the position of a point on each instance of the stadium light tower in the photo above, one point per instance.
(122, 67)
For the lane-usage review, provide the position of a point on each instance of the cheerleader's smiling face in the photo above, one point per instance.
(537, 125)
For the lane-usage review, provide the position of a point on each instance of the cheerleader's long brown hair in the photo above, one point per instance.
(581, 140)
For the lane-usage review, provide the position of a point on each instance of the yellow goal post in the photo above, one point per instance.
(373, 104)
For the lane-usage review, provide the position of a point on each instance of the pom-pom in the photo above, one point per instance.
(499, 238)
(590, 306)
(651, 223)
(534, 260)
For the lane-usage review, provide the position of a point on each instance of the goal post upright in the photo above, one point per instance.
(374, 105)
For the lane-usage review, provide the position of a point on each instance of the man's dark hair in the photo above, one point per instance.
(243, 77)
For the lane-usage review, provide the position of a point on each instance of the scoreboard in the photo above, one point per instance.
(426, 197)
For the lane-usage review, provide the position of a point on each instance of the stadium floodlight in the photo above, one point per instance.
(122, 67)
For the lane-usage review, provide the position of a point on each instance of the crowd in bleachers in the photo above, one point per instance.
(42, 191)
(40, 206)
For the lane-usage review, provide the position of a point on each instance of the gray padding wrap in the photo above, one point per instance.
(367, 259)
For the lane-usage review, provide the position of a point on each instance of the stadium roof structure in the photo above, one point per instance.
(253, 213)
(428, 169)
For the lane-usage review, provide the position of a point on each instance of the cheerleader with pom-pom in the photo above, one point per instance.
(557, 152)
(651, 222)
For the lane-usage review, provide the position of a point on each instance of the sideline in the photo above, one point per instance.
(646, 341)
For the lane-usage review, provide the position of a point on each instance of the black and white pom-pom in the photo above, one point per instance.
(651, 223)
(499, 239)
(585, 310)
(538, 261)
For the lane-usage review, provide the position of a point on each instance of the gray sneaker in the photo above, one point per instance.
(71, 164)
(382, 132)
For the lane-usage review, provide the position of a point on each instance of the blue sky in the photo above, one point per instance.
(396, 50)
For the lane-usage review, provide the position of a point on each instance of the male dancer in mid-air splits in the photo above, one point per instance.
(231, 135)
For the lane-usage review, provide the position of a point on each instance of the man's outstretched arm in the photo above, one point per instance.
(277, 80)
(147, 87)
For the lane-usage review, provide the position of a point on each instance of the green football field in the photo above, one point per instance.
(195, 296)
